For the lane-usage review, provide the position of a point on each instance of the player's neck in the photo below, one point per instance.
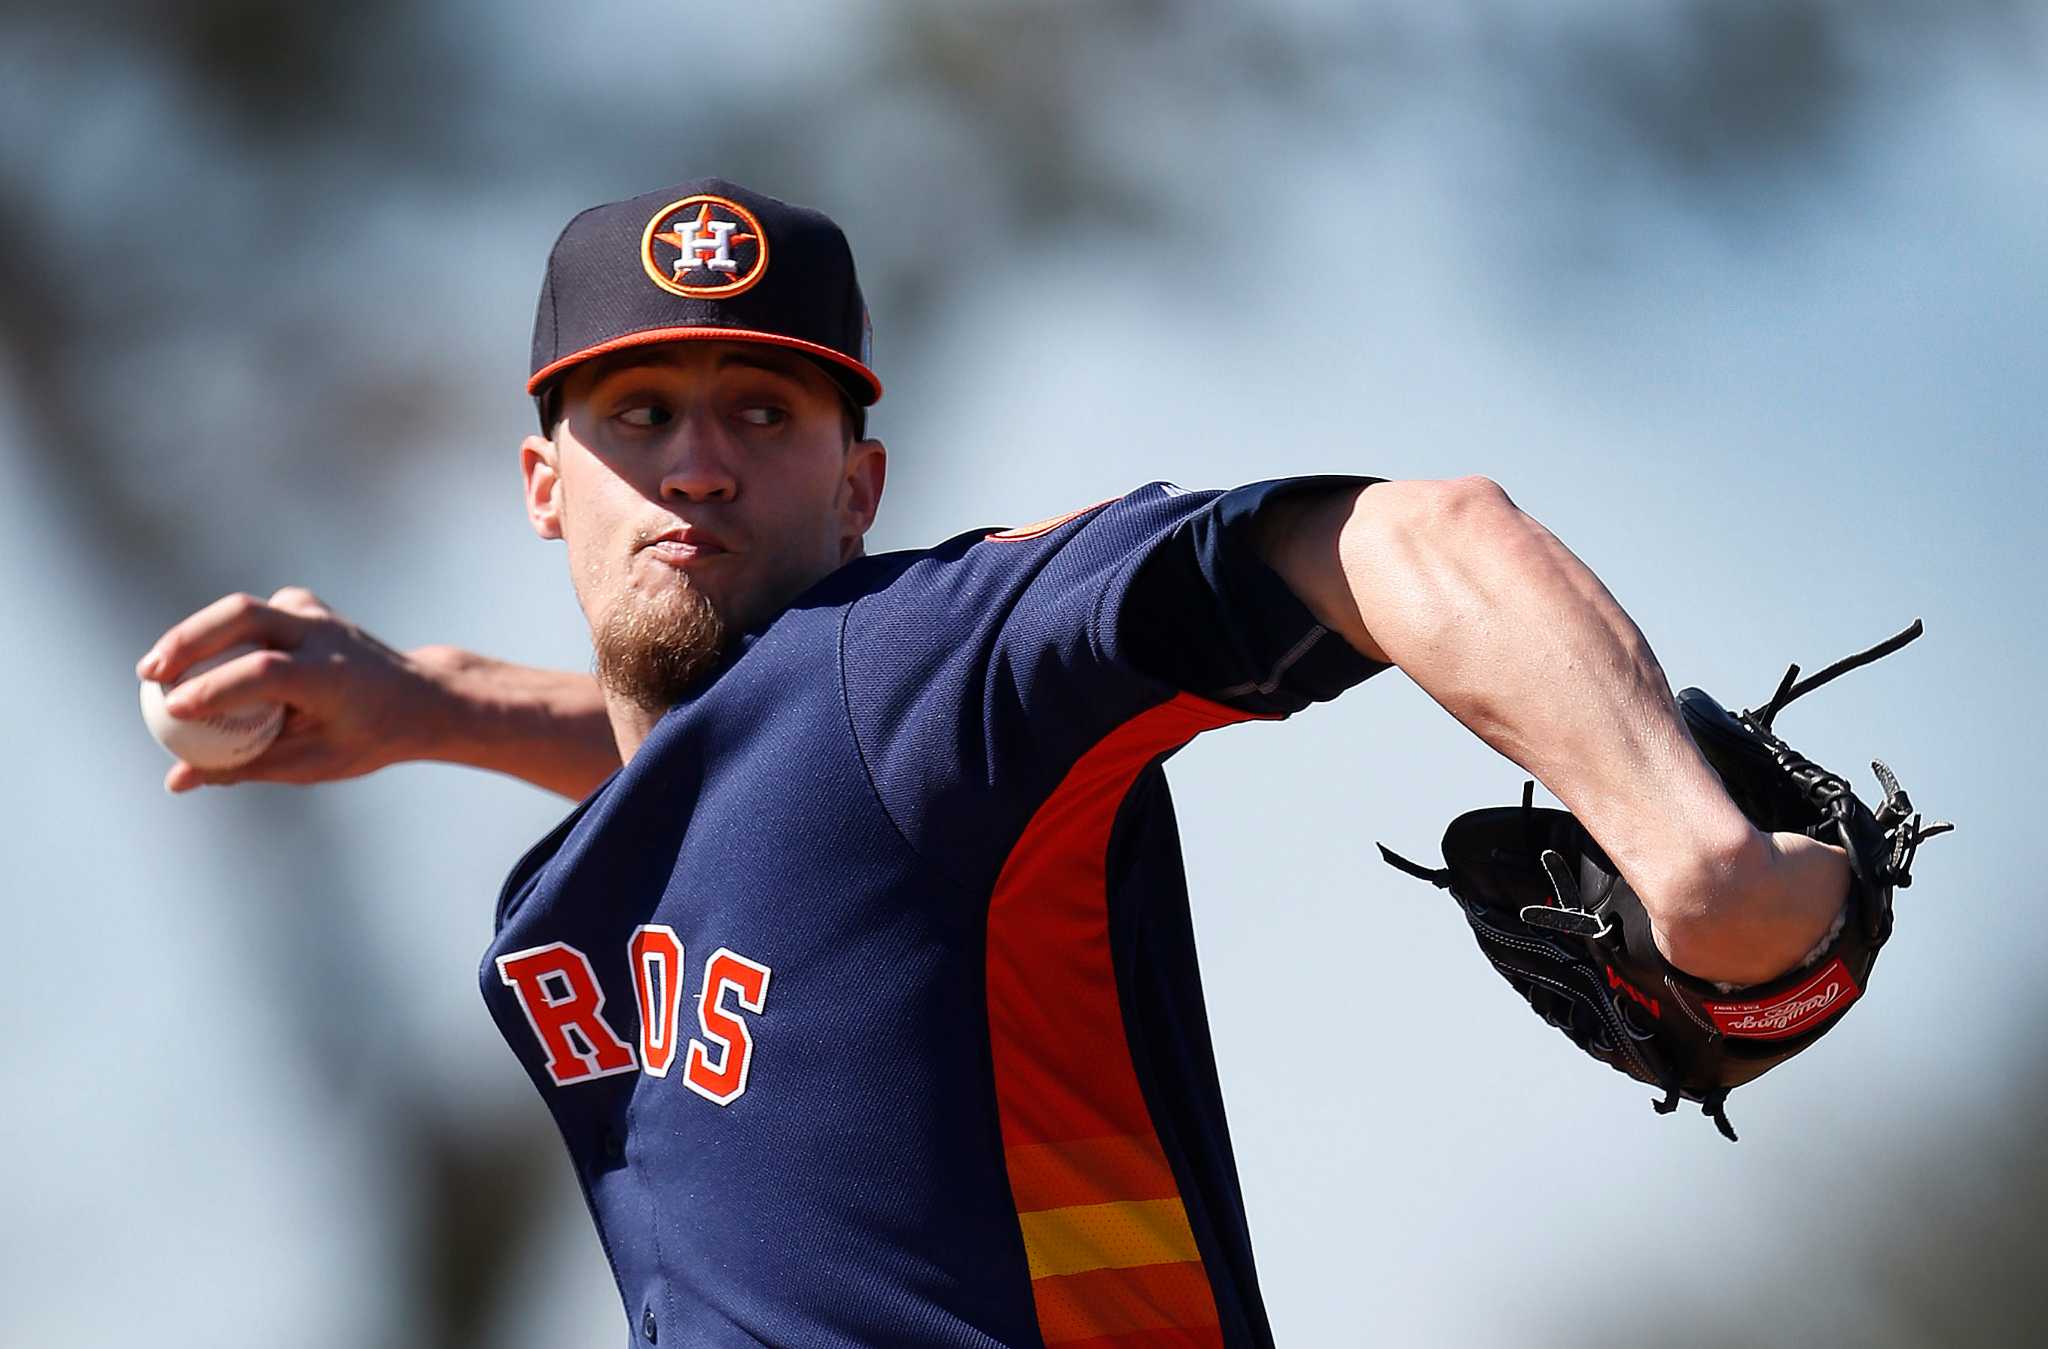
(631, 723)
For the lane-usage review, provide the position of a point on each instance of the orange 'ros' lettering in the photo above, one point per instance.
(558, 991)
(656, 955)
(726, 1081)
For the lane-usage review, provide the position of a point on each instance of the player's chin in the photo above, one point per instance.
(673, 600)
(652, 647)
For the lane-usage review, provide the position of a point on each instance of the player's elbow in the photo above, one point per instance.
(1429, 558)
(1439, 509)
(1425, 527)
(1473, 501)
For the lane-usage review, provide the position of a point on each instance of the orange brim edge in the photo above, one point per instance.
(651, 336)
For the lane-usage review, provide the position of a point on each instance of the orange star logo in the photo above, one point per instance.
(718, 250)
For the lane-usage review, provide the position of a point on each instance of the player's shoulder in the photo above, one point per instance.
(1154, 499)
(1038, 529)
(988, 567)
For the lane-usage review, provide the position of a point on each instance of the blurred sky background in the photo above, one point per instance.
(1744, 298)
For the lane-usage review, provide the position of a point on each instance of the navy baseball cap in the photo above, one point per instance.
(705, 260)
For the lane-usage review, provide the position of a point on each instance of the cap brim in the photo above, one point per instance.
(866, 387)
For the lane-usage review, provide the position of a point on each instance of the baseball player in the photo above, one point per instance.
(860, 979)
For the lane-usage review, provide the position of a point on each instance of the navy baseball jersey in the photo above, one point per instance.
(865, 995)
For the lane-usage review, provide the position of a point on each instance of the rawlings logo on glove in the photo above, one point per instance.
(1830, 991)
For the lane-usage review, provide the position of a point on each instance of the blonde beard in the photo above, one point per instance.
(653, 650)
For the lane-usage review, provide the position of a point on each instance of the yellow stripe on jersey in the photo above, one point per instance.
(1107, 1236)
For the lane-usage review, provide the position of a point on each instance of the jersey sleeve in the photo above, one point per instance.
(981, 671)
(1203, 612)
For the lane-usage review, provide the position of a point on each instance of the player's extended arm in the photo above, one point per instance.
(1495, 619)
(547, 727)
(356, 705)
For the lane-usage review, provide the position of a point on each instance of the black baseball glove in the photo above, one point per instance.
(1557, 920)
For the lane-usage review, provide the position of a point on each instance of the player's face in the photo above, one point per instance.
(698, 475)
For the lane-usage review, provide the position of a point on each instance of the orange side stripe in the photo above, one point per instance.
(1063, 1070)
(1182, 1337)
(1095, 1195)
(1087, 1170)
(1155, 1305)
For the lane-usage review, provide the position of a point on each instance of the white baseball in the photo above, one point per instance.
(223, 740)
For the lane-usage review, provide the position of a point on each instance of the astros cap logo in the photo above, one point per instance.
(704, 246)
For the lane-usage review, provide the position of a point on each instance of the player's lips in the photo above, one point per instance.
(685, 545)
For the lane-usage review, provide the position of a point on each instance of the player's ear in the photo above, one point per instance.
(540, 464)
(867, 469)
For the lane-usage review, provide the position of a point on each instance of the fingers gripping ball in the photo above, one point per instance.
(224, 740)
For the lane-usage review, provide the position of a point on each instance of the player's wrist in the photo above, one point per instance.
(444, 716)
(546, 727)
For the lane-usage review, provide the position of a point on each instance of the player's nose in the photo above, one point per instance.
(700, 462)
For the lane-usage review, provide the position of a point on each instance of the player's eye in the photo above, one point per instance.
(646, 415)
(763, 415)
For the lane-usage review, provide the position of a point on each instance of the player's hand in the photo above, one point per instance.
(1760, 916)
(352, 704)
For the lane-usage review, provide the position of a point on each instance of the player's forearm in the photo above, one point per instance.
(1500, 623)
(547, 727)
